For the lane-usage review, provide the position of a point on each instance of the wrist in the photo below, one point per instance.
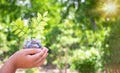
(8, 67)
(11, 64)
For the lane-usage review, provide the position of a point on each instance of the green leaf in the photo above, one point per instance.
(45, 14)
(39, 17)
(21, 34)
(17, 31)
(14, 28)
(46, 19)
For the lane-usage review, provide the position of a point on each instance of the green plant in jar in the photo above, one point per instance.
(32, 29)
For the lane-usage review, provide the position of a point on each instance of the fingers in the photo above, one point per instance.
(40, 54)
(40, 63)
(43, 57)
(41, 60)
(31, 51)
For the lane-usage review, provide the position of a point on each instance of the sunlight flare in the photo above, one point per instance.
(110, 8)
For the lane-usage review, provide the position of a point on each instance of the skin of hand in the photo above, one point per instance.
(26, 58)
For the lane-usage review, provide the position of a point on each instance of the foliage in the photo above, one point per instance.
(89, 58)
(86, 61)
(24, 28)
(64, 41)
(74, 26)
(31, 71)
(113, 42)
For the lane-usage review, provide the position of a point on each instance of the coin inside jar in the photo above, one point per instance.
(33, 43)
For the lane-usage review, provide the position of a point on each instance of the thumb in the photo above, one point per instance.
(31, 51)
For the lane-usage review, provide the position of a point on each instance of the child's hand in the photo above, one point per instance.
(29, 58)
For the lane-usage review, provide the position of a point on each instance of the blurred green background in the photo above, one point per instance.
(82, 35)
